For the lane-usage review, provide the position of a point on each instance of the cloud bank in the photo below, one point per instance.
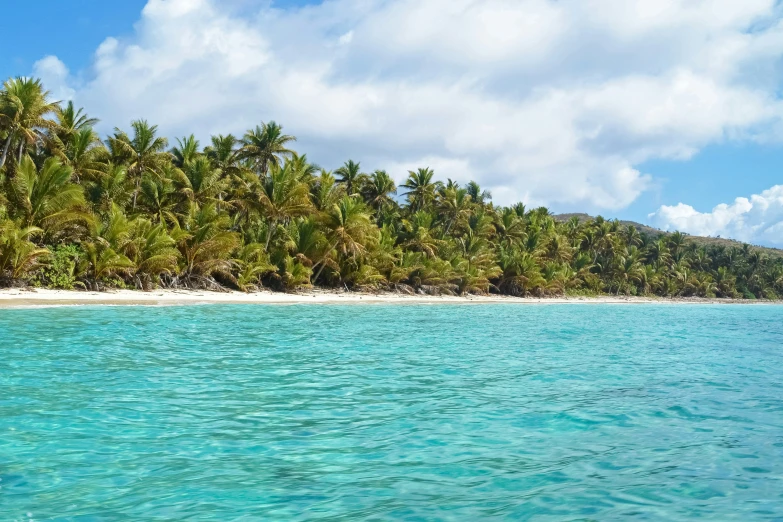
(757, 220)
(550, 102)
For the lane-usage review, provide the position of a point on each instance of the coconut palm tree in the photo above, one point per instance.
(82, 151)
(454, 206)
(205, 246)
(481, 197)
(202, 182)
(325, 191)
(24, 116)
(421, 189)
(351, 177)
(71, 121)
(280, 196)
(46, 198)
(152, 251)
(265, 146)
(377, 190)
(186, 151)
(130, 211)
(19, 255)
(143, 154)
(349, 230)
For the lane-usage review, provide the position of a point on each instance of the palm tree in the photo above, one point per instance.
(417, 234)
(476, 194)
(520, 272)
(202, 182)
(205, 245)
(454, 206)
(143, 154)
(325, 191)
(153, 252)
(421, 189)
(223, 153)
(158, 195)
(628, 270)
(378, 189)
(81, 152)
(24, 111)
(47, 198)
(100, 262)
(187, 150)
(280, 196)
(19, 255)
(349, 230)
(351, 176)
(265, 145)
(71, 121)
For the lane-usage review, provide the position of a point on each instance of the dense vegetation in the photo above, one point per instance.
(132, 212)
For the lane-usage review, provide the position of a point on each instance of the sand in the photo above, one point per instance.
(16, 297)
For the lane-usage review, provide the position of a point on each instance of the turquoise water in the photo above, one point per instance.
(380, 412)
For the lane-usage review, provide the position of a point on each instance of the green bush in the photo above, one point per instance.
(60, 272)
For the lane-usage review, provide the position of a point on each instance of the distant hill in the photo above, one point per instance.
(699, 240)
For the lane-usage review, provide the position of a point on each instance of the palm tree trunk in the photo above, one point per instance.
(6, 146)
(21, 150)
(136, 192)
(272, 227)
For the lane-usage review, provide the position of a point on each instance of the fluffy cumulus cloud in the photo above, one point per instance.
(758, 219)
(549, 101)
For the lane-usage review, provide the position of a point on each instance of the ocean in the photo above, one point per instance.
(392, 412)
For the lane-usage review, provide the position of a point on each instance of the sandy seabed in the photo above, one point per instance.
(17, 297)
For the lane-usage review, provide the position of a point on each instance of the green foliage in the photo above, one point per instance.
(61, 270)
(129, 212)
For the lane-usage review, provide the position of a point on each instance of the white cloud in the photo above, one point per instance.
(554, 102)
(758, 219)
(54, 75)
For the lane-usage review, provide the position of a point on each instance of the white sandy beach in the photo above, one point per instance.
(17, 297)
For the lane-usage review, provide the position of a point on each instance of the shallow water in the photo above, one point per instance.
(392, 412)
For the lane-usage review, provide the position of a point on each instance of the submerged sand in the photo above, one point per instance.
(16, 297)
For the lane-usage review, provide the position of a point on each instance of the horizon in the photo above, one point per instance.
(686, 139)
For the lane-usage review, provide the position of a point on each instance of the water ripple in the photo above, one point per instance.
(244, 413)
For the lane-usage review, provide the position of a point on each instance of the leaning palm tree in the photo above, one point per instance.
(265, 145)
(24, 115)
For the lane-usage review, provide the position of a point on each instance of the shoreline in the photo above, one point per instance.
(27, 298)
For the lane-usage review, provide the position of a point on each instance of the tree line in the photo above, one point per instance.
(131, 211)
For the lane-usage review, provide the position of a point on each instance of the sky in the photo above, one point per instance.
(666, 112)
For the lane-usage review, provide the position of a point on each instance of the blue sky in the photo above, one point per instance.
(703, 136)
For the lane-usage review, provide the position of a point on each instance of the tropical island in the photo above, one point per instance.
(247, 213)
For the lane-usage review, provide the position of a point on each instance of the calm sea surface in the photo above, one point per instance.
(383, 412)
